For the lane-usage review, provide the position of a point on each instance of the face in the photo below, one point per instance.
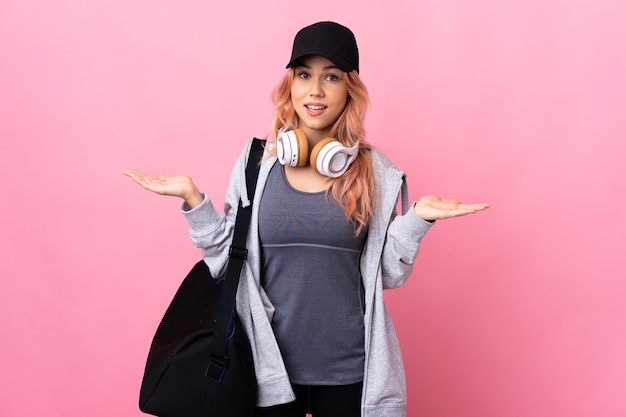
(319, 95)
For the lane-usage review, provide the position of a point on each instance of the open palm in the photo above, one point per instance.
(179, 186)
(435, 208)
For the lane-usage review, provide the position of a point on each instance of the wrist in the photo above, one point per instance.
(193, 199)
(420, 214)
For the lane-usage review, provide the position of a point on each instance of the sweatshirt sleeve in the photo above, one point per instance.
(402, 244)
(212, 231)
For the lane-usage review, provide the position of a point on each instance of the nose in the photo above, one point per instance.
(316, 88)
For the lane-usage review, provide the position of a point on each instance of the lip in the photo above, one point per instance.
(315, 109)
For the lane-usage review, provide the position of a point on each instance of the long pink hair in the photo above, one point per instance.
(354, 190)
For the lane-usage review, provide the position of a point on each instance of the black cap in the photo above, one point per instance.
(330, 40)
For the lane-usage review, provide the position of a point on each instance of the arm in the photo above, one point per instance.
(210, 230)
(402, 244)
(405, 233)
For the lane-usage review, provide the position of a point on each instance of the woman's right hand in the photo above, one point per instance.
(181, 186)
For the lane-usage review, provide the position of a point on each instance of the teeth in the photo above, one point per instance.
(316, 107)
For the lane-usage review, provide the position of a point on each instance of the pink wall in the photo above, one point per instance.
(515, 312)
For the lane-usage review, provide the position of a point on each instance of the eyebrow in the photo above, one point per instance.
(328, 67)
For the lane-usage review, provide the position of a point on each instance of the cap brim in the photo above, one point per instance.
(341, 63)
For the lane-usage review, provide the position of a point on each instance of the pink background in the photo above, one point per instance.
(515, 312)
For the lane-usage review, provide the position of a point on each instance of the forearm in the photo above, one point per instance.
(402, 244)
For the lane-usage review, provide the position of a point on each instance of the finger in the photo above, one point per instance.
(465, 209)
(136, 175)
(130, 172)
(133, 172)
(479, 206)
(144, 181)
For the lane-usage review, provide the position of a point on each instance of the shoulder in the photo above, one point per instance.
(383, 167)
(244, 154)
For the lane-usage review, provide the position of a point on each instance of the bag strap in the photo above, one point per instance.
(225, 315)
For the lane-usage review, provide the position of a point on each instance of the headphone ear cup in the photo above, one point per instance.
(292, 148)
(303, 147)
(315, 152)
(331, 158)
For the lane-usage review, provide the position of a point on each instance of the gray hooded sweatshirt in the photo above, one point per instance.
(389, 252)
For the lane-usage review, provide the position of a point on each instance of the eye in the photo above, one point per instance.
(304, 75)
(332, 77)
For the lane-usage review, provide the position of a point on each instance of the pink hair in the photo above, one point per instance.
(354, 190)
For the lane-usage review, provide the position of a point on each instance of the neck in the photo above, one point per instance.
(314, 136)
(307, 179)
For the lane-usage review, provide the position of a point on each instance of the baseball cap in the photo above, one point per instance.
(330, 40)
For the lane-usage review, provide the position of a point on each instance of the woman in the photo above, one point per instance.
(324, 242)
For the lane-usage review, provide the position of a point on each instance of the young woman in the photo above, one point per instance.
(324, 241)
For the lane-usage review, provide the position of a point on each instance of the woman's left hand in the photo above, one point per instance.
(435, 208)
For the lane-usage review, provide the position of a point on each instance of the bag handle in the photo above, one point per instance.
(225, 314)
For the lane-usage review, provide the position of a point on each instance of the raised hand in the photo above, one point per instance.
(180, 186)
(435, 208)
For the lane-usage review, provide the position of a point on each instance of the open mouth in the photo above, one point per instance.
(315, 107)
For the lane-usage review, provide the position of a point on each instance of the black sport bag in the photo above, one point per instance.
(200, 362)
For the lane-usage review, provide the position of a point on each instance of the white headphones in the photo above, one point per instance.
(329, 157)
